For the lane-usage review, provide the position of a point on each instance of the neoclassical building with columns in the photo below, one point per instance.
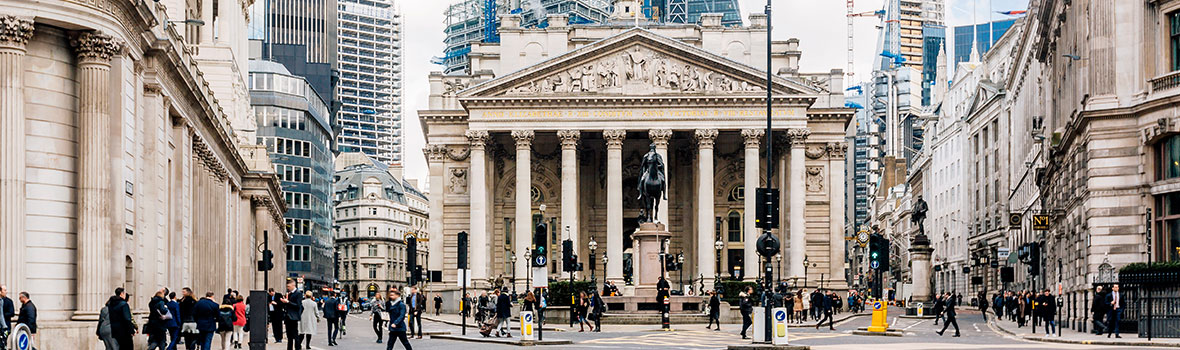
(119, 166)
(570, 110)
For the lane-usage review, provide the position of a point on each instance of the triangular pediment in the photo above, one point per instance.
(637, 63)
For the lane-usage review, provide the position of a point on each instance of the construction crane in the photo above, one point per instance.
(851, 15)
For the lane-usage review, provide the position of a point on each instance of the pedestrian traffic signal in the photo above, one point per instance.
(462, 250)
(569, 260)
(878, 252)
(669, 263)
(1034, 259)
(411, 260)
(267, 262)
(540, 242)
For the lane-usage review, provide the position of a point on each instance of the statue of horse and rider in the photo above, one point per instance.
(653, 185)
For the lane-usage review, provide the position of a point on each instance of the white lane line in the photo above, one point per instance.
(976, 326)
(912, 325)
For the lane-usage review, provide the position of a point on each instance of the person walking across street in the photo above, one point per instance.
(397, 320)
(205, 312)
(714, 310)
(1114, 307)
(503, 313)
(1098, 311)
(939, 305)
(332, 315)
(158, 317)
(309, 319)
(597, 309)
(292, 314)
(950, 317)
(825, 307)
(122, 324)
(747, 308)
(377, 307)
(417, 308)
(275, 310)
(583, 311)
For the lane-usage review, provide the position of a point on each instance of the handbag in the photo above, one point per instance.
(189, 328)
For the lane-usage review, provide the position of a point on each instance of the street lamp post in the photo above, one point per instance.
(605, 258)
(528, 273)
(778, 260)
(680, 270)
(593, 247)
(717, 277)
(513, 259)
(805, 266)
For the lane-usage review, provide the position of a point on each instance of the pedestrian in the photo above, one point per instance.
(240, 320)
(1114, 307)
(104, 330)
(343, 307)
(188, 321)
(747, 308)
(503, 313)
(7, 312)
(417, 308)
(437, 304)
(377, 309)
(122, 324)
(597, 309)
(157, 324)
(225, 324)
(939, 305)
(581, 309)
(1098, 311)
(292, 313)
(1021, 309)
(825, 308)
(1048, 307)
(275, 308)
(28, 317)
(789, 305)
(309, 319)
(205, 312)
(799, 306)
(950, 317)
(983, 305)
(714, 310)
(332, 315)
(397, 320)
(173, 323)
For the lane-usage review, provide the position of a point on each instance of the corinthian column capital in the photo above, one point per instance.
(15, 31)
(478, 138)
(798, 136)
(752, 137)
(614, 137)
(660, 137)
(569, 138)
(524, 138)
(95, 47)
(705, 137)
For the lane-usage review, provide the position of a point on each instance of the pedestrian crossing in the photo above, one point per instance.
(704, 339)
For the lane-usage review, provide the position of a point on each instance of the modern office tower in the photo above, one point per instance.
(981, 36)
(301, 35)
(293, 124)
(729, 9)
(370, 86)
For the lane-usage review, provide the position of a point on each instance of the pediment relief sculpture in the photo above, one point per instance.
(637, 70)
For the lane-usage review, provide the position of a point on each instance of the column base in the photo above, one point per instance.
(85, 316)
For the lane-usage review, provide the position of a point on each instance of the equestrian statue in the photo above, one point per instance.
(652, 185)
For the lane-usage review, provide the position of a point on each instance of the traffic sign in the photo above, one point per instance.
(540, 260)
(874, 264)
(877, 305)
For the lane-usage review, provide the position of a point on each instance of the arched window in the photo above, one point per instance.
(734, 225)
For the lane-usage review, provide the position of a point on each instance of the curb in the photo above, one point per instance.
(1081, 342)
(511, 325)
(768, 346)
(503, 341)
(879, 334)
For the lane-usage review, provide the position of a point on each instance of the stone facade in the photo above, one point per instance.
(120, 167)
(575, 110)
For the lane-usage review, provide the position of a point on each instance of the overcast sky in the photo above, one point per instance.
(820, 26)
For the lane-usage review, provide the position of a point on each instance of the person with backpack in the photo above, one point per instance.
(104, 329)
(225, 324)
(598, 308)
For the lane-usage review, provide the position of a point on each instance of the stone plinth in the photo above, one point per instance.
(920, 258)
(648, 239)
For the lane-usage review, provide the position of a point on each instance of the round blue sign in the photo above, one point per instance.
(780, 315)
(876, 305)
(874, 264)
(528, 317)
(540, 260)
(22, 341)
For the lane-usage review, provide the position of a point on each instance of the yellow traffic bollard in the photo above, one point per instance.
(880, 315)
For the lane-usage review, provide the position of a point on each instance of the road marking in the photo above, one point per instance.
(976, 325)
(915, 324)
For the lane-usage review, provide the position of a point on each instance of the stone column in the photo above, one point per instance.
(705, 237)
(524, 203)
(751, 257)
(836, 203)
(660, 138)
(15, 32)
(436, 156)
(94, 52)
(614, 204)
(569, 187)
(920, 258)
(479, 207)
(798, 201)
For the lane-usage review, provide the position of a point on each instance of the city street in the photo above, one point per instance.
(919, 334)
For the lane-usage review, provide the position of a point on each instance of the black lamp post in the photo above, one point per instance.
(717, 278)
(805, 266)
(605, 258)
(593, 245)
(680, 270)
(513, 259)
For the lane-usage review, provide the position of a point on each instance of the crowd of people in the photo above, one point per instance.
(1040, 309)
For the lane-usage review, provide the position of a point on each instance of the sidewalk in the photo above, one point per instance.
(1074, 337)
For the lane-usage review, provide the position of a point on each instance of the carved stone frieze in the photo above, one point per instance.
(524, 138)
(458, 153)
(15, 31)
(815, 179)
(837, 150)
(454, 85)
(478, 139)
(458, 183)
(636, 69)
(435, 153)
(816, 151)
(798, 136)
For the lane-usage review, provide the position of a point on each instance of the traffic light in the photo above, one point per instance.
(462, 250)
(878, 252)
(540, 242)
(411, 260)
(766, 208)
(1034, 259)
(569, 260)
(267, 262)
(669, 262)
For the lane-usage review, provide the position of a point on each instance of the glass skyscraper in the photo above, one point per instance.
(985, 34)
(370, 87)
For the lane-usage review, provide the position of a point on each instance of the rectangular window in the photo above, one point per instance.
(372, 272)
(372, 250)
(1169, 158)
(1174, 38)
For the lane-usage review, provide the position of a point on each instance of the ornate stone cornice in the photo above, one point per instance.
(614, 137)
(435, 152)
(95, 47)
(265, 201)
(524, 139)
(705, 137)
(569, 138)
(152, 89)
(660, 137)
(202, 152)
(15, 31)
(798, 136)
(478, 139)
(752, 137)
(837, 149)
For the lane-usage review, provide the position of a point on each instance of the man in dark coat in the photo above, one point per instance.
(292, 312)
(28, 315)
(417, 306)
(122, 324)
(1047, 310)
(747, 308)
(939, 305)
(205, 314)
(274, 310)
(173, 325)
(333, 315)
(437, 304)
(714, 310)
(597, 308)
(397, 320)
(7, 312)
(503, 313)
(825, 310)
(1098, 311)
(950, 316)
(1114, 309)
